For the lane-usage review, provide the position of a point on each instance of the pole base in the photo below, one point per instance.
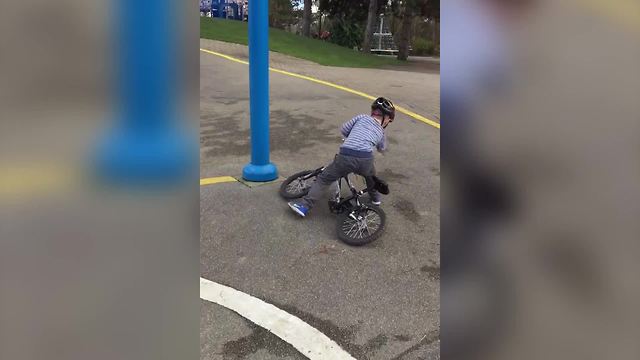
(156, 158)
(260, 173)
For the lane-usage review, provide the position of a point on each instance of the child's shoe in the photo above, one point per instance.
(299, 208)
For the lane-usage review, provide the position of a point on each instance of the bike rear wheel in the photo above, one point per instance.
(296, 186)
(362, 225)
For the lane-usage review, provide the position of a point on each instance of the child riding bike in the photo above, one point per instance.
(362, 134)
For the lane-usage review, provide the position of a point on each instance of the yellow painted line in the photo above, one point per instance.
(330, 84)
(20, 181)
(225, 56)
(217, 180)
(418, 117)
(23, 180)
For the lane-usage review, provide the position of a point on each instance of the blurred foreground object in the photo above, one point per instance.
(540, 200)
(88, 272)
(149, 143)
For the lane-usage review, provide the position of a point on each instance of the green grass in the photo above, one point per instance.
(318, 51)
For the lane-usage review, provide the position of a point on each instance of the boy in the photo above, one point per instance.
(362, 134)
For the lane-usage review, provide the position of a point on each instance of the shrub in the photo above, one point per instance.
(422, 47)
(346, 33)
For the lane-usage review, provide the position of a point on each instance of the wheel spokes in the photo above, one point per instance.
(368, 224)
(297, 186)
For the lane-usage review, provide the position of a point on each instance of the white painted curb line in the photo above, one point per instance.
(306, 339)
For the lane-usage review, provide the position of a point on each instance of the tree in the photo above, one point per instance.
(306, 18)
(431, 10)
(354, 10)
(410, 9)
(281, 13)
(368, 30)
(405, 32)
(345, 20)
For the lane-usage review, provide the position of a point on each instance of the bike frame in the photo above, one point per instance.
(355, 194)
(341, 202)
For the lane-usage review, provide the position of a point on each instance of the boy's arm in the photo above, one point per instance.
(382, 145)
(346, 127)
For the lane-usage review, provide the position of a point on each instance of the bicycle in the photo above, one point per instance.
(358, 223)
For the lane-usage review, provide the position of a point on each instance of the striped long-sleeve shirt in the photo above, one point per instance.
(363, 133)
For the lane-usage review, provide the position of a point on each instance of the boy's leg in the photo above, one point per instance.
(337, 169)
(368, 169)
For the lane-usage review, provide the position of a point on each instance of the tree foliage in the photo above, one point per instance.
(347, 20)
(408, 10)
(431, 9)
(281, 13)
(424, 8)
(353, 10)
(346, 33)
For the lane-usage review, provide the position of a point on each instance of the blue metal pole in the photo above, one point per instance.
(221, 9)
(260, 169)
(148, 143)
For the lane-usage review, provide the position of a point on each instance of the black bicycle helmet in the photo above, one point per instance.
(384, 105)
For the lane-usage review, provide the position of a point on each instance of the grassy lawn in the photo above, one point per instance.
(320, 52)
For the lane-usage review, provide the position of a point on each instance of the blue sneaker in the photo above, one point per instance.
(299, 208)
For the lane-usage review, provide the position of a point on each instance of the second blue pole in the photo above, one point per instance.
(221, 9)
(260, 169)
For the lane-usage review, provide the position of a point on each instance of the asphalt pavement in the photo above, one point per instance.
(377, 302)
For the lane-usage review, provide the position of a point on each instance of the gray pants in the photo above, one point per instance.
(341, 166)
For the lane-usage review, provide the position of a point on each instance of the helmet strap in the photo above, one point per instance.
(385, 123)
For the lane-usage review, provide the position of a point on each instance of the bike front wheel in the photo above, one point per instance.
(297, 185)
(362, 225)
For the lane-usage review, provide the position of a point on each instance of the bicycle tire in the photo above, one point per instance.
(344, 226)
(286, 193)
